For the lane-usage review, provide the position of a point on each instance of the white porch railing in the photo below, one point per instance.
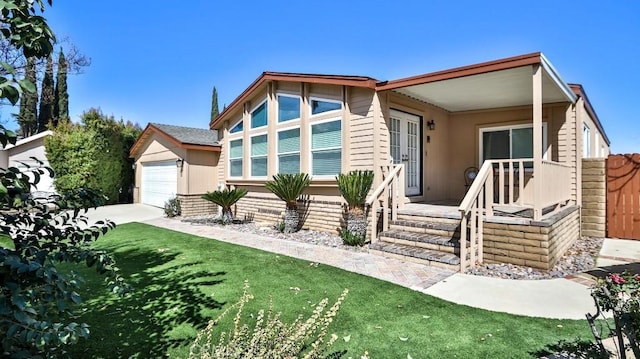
(507, 182)
(559, 176)
(391, 193)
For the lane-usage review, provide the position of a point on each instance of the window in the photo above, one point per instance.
(235, 158)
(288, 108)
(259, 115)
(586, 141)
(289, 151)
(319, 106)
(509, 142)
(259, 156)
(326, 148)
(237, 128)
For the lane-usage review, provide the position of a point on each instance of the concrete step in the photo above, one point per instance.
(445, 229)
(419, 217)
(416, 254)
(422, 240)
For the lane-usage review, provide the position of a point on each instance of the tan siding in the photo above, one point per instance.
(201, 167)
(361, 129)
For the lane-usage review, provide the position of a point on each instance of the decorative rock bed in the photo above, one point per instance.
(579, 258)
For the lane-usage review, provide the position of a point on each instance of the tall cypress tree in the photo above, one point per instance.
(47, 96)
(61, 102)
(214, 105)
(28, 116)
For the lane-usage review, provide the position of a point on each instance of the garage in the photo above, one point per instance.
(174, 161)
(159, 182)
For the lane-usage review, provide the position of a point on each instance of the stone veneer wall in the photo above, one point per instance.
(594, 197)
(537, 244)
(194, 205)
(324, 216)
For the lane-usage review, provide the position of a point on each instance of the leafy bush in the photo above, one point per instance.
(93, 153)
(620, 294)
(226, 199)
(351, 239)
(37, 301)
(269, 337)
(172, 207)
(354, 187)
(288, 187)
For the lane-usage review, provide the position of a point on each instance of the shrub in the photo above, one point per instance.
(620, 294)
(354, 187)
(270, 337)
(226, 199)
(288, 187)
(172, 207)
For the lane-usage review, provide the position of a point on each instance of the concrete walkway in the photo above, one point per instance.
(553, 298)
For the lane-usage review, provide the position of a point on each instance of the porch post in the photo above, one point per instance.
(537, 142)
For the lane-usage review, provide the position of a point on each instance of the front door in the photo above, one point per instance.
(406, 148)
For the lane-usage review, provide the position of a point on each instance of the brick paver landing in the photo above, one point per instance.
(411, 275)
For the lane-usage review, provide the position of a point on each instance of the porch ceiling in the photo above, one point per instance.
(502, 88)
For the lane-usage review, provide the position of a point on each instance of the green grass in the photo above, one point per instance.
(182, 281)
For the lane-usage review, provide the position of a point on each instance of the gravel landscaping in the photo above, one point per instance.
(579, 258)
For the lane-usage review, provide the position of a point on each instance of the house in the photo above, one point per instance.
(175, 161)
(26, 153)
(513, 126)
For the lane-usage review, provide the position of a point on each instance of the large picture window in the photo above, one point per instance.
(235, 158)
(326, 148)
(259, 116)
(509, 142)
(259, 151)
(289, 151)
(288, 108)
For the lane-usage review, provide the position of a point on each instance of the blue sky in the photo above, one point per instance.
(157, 61)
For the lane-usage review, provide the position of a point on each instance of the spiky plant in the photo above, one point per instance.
(225, 199)
(288, 187)
(354, 187)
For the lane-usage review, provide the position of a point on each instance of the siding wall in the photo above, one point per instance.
(594, 201)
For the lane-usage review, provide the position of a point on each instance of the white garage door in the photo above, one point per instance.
(159, 182)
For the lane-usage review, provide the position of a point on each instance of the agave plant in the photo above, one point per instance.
(288, 187)
(225, 199)
(354, 187)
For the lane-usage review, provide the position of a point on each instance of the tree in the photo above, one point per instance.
(93, 153)
(61, 102)
(47, 97)
(36, 300)
(288, 187)
(214, 105)
(28, 116)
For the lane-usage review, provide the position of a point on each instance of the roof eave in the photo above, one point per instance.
(146, 133)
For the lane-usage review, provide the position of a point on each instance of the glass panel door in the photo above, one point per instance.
(405, 147)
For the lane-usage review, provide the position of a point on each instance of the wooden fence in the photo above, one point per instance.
(623, 196)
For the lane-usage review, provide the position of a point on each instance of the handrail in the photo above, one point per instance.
(375, 194)
(485, 171)
(391, 187)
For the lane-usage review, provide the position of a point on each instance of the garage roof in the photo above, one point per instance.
(184, 137)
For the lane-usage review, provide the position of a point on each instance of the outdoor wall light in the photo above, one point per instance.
(431, 125)
(179, 163)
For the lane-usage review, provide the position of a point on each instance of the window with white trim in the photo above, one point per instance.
(259, 115)
(320, 105)
(288, 107)
(235, 158)
(509, 142)
(326, 148)
(586, 141)
(289, 151)
(237, 127)
(259, 150)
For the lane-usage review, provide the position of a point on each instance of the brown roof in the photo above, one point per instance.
(183, 137)
(343, 80)
(579, 91)
(484, 67)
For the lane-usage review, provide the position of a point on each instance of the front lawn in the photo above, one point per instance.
(182, 281)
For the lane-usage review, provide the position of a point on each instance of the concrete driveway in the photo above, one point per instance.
(124, 213)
